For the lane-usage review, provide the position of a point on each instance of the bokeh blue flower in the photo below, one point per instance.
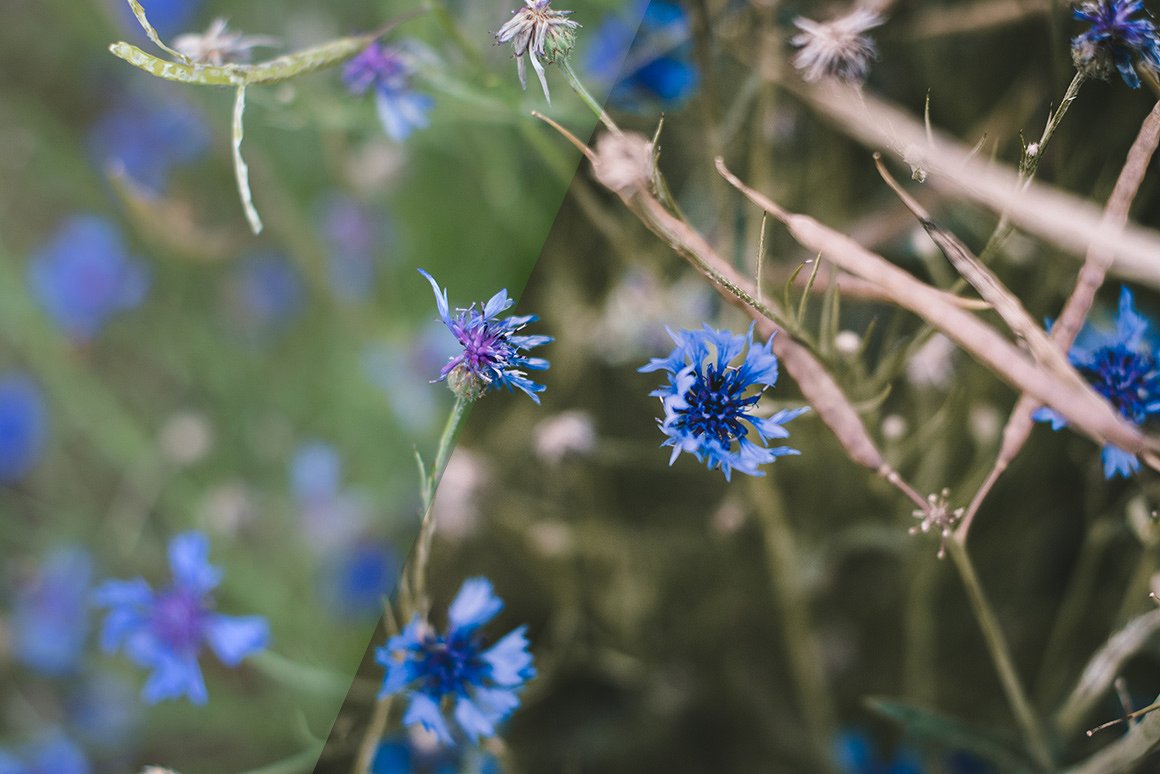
(146, 135)
(164, 631)
(658, 67)
(457, 671)
(408, 753)
(1121, 365)
(1115, 39)
(23, 426)
(52, 753)
(84, 276)
(708, 402)
(854, 753)
(50, 622)
(387, 70)
(493, 355)
(264, 294)
(168, 17)
(359, 577)
(353, 235)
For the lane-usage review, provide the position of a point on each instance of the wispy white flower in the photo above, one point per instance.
(838, 48)
(541, 34)
(218, 45)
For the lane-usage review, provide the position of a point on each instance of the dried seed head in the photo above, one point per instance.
(218, 46)
(625, 162)
(541, 34)
(938, 516)
(838, 48)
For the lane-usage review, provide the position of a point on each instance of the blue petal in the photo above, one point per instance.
(189, 560)
(510, 661)
(474, 605)
(425, 711)
(1118, 462)
(233, 638)
(440, 298)
(174, 677)
(1045, 414)
(473, 722)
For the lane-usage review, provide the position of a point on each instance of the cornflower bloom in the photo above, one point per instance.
(22, 426)
(838, 48)
(542, 35)
(164, 631)
(492, 354)
(1120, 365)
(1115, 40)
(708, 403)
(455, 671)
(84, 276)
(386, 68)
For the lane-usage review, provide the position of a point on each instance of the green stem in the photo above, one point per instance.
(585, 95)
(1001, 655)
(417, 600)
(427, 527)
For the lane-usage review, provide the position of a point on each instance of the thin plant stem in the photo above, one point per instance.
(427, 529)
(586, 96)
(1001, 655)
(416, 573)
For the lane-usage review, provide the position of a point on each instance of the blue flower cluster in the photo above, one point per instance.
(1121, 365)
(709, 402)
(1116, 40)
(456, 671)
(493, 355)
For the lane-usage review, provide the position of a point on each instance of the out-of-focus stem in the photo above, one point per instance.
(800, 640)
(1001, 655)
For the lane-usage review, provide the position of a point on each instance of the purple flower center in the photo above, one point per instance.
(179, 619)
(1125, 378)
(717, 405)
(483, 348)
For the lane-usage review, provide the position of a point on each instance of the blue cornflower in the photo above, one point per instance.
(84, 276)
(658, 65)
(50, 613)
(23, 424)
(455, 671)
(707, 400)
(146, 135)
(164, 631)
(387, 69)
(492, 354)
(53, 753)
(1121, 366)
(1115, 40)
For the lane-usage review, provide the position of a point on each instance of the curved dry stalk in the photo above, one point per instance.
(1072, 398)
(1058, 218)
(1075, 310)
